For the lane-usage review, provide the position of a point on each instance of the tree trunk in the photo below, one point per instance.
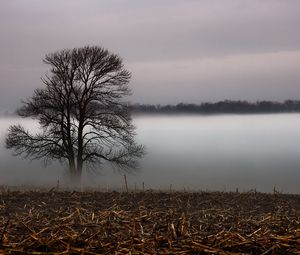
(80, 145)
(75, 177)
(75, 174)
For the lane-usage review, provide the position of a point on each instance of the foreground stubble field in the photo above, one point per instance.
(149, 223)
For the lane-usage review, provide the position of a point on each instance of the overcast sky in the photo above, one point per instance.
(177, 51)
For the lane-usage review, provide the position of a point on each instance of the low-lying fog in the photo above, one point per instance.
(218, 152)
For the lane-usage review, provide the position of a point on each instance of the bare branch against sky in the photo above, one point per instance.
(190, 51)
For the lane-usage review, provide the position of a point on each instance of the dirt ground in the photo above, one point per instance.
(148, 223)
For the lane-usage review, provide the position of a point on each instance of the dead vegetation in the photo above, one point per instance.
(149, 223)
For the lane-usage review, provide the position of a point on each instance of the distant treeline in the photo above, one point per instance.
(226, 106)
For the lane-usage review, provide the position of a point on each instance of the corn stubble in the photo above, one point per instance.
(149, 223)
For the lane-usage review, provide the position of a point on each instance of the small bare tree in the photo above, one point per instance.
(81, 113)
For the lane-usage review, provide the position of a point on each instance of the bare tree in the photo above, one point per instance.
(81, 113)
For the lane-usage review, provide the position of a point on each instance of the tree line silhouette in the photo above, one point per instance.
(226, 106)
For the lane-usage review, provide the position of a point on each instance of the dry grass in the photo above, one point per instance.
(149, 223)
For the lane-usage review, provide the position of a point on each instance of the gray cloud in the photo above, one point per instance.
(177, 50)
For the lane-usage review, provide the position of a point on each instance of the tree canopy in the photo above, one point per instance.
(81, 111)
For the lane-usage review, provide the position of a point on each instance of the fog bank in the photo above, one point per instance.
(220, 152)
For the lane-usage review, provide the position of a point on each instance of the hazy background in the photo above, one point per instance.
(178, 51)
(190, 51)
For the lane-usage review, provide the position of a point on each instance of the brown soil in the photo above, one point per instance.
(149, 223)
